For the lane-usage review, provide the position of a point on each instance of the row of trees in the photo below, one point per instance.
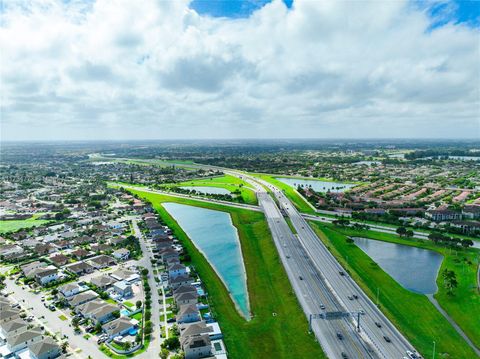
(439, 238)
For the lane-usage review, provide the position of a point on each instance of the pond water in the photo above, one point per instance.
(318, 186)
(216, 237)
(464, 158)
(415, 269)
(207, 190)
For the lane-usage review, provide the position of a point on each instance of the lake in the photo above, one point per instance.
(415, 269)
(214, 234)
(317, 186)
(207, 190)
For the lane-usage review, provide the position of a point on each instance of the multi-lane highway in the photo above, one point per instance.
(323, 287)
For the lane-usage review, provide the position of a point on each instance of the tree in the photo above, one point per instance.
(164, 353)
(128, 345)
(409, 233)
(116, 314)
(449, 280)
(171, 343)
(401, 231)
(349, 240)
(138, 304)
(467, 243)
(75, 321)
(64, 347)
(98, 328)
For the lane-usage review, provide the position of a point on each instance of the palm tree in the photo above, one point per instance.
(449, 280)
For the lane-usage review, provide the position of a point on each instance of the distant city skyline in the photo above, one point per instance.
(99, 70)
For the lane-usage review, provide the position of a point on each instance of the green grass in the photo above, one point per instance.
(15, 225)
(227, 182)
(137, 316)
(128, 304)
(300, 203)
(62, 317)
(413, 313)
(265, 335)
(111, 301)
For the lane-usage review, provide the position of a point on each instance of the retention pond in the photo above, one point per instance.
(214, 234)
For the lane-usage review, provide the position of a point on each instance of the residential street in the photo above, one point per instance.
(154, 349)
(51, 321)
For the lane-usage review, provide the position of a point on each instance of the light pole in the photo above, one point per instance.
(433, 357)
(378, 294)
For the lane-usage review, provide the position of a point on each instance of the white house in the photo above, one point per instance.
(122, 254)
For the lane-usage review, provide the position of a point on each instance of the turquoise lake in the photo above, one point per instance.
(207, 190)
(317, 186)
(415, 269)
(216, 237)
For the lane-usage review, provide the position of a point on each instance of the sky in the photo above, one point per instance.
(154, 69)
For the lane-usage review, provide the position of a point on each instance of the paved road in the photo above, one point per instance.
(322, 284)
(51, 321)
(153, 350)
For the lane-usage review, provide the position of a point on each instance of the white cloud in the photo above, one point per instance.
(157, 69)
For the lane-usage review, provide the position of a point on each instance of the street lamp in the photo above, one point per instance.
(433, 357)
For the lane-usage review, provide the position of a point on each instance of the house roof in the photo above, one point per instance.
(187, 288)
(24, 337)
(13, 325)
(82, 297)
(79, 266)
(187, 309)
(9, 313)
(181, 279)
(197, 341)
(117, 326)
(47, 345)
(103, 280)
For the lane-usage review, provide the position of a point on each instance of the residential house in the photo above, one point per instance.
(46, 275)
(23, 340)
(102, 261)
(59, 259)
(188, 314)
(70, 289)
(122, 254)
(80, 268)
(123, 288)
(13, 327)
(80, 253)
(186, 298)
(471, 212)
(126, 275)
(118, 327)
(176, 270)
(179, 281)
(44, 249)
(196, 346)
(29, 269)
(82, 298)
(8, 315)
(438, 215)
(103, 281)
(45, 349)
(98, 311)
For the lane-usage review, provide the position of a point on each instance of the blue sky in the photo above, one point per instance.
(441, 11)
(97, 69)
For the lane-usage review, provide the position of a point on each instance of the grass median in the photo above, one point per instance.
(412, 313)
(278, 328)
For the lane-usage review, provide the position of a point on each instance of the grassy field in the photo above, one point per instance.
(284, 335)
(15, 225)
(300, 203)
(413, 313)
(228, 182)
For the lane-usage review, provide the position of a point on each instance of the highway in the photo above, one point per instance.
(317, 282)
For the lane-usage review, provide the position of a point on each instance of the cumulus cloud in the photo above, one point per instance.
(157, 69)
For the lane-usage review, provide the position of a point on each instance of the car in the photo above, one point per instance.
(387, 339)
(412, 355)
(355, 296)
(362, 312)
(287, 256)
(339, 335)
(89, 329)
(52, 307)
(342, 273)
(350, 297)
(344, 355)
(101, 340)
(300, 277)
(379, 325)
(322, 307)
